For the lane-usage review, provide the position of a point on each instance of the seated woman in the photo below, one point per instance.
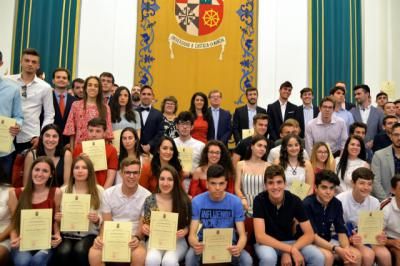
(5, 218)
(170, 198)
(75, 246)
(322, 158)
(50, 145)
(37, 194)
(215, 152)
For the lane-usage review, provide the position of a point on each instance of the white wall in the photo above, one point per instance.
(6, 33)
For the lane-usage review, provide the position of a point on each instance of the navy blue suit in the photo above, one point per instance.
(299, 116)
(275, 115)
(224, 129)
(153, 130)
(59, 120)
(241, 120)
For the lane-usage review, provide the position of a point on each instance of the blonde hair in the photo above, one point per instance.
(329, 163)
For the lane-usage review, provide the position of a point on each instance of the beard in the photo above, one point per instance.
(135, 97)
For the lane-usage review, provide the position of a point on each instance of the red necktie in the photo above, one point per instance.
(62, 105)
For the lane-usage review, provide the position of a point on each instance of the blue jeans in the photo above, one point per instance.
(194, 260)
(269, 256)
(31, 258)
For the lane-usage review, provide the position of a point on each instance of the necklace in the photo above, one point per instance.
(294, 170)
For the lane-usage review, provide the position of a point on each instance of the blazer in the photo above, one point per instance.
(153, 130)
(383, 167)
(382, 140)
(299, 116)
(224, 131)
(349, 106)
(241, 120)
(275, 115)
(374, 122)
(58, 119)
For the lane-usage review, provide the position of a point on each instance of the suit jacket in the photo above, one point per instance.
(349, 106)
(152, 131)
(224, 130)
(275, 115)
(58, 119)
(299, 115)
(374, 123)
(382, 140)
(241, 120)
(383, 168)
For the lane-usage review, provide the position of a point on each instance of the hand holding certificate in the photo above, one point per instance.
(116, 237)
(75, 209)
(186, 157)
(96, 150)
(247, 133)
(216, 242)
(163, 227)
(5, 136)
(370, 225)
(35, 231)
(300, 189)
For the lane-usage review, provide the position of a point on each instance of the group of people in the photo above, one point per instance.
(346, 156)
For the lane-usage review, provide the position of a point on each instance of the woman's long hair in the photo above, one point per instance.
(342, 165)
(25, 198)
(40, 151)
(224, 160)
(174, 162)
(91, 181)
(329, 164)
(284, 155)
(101, 107)
(204, 111)
(116, 107)
(180, 201)
(254, 140)
(123, 153)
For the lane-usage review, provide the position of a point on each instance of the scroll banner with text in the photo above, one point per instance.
(185, 46)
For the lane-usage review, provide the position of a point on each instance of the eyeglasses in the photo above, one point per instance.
(187, 123)
(322, 152)
(23, 91)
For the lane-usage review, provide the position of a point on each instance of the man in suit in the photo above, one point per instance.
(382, 140)
(107, 82)
(151, 119)
(243, 116)
(77, 88)
(62, 100)
(220, 127)
(367, 113)
(306, 112)
(280, 110)
(385, 164)
(345, 105)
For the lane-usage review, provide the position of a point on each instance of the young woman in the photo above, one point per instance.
(91, 106)
(214, 152)
(122, 113)
(250, 171)
(170, 198)
(5, 218)
(322, 158)
(199, 107)
(37, 194)
(50, 145)
(130, 147)
(166, 153)
(169, 106)
(291, 159)
(75, 245)
(353, 157)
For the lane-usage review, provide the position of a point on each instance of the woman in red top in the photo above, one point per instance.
(37, 194)
(199, 108)
(215, 152)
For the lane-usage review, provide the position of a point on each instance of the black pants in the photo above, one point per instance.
(73, 251)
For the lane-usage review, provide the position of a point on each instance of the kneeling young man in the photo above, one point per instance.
(326, 216)
(217, 208)
(356, 200)
(275, 211)
(124, 202)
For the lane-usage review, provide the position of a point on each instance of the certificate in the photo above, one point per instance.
(300, 189)
(75, 209)
(116, 237)
(35, 231)
(163, 227)
(216, 242)
(116, 139)
(370, 224)
(247, 133)
(6, 142)
(96, 150)
(186, 157)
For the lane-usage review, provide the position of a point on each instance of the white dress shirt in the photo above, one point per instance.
(364, 112)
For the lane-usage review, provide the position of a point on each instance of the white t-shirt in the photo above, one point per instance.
(391, 214)
(346, 183)
(197, 147)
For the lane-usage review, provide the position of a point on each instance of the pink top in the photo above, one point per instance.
(78, 119)
(200, 129)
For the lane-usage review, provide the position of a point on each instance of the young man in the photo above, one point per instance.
(97, 130)
(135, 95)
(382, 140)
(391, 212)
(346, 105)
(389, 108)
(275, 211)
(280, 110)
(326, 217)
(306, 112)
(356, 200)
(36, 95)
(243, 116)
(397, 103)
(124, 202)
(77, 87)
(107, 82)
(220, 128)
(217, 208)
(381, 99)
(338, 93)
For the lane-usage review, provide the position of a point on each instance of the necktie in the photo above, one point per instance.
(106, 100)
(62, 105)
